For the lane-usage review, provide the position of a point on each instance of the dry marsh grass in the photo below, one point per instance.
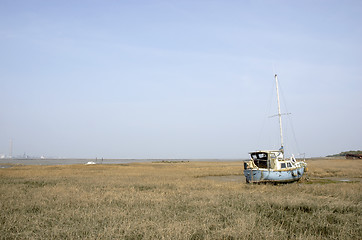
(174, 201)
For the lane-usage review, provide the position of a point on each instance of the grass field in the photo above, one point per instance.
(176, 201)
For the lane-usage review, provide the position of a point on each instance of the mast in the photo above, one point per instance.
(280, 116)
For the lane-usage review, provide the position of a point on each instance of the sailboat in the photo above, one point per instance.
(271, 165)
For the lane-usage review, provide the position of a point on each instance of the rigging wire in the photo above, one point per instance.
(290, 122)
(266, 135)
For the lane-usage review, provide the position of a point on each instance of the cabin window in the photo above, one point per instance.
(282, 165)
(289, 164)
(261, 163)
(263, 156)
(272, 155)
(260, 159)
(259, 156)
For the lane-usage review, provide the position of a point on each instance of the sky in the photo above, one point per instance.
(179, 79)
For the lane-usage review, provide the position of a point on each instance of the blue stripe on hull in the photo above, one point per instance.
(258, 175)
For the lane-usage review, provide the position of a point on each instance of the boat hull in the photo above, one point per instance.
(274, 176)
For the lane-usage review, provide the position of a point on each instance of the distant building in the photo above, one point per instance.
(353, 156)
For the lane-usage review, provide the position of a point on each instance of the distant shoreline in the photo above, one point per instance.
(72, 161)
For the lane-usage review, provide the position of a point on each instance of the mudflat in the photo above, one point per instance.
(178, 200)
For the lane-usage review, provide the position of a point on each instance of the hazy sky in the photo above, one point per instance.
(178, 79)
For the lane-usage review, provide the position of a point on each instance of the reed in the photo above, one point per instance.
(167, 200)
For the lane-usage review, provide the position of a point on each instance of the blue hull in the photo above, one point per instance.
(281, 176)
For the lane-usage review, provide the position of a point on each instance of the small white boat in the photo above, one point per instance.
(270, 165)
(90, 163)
